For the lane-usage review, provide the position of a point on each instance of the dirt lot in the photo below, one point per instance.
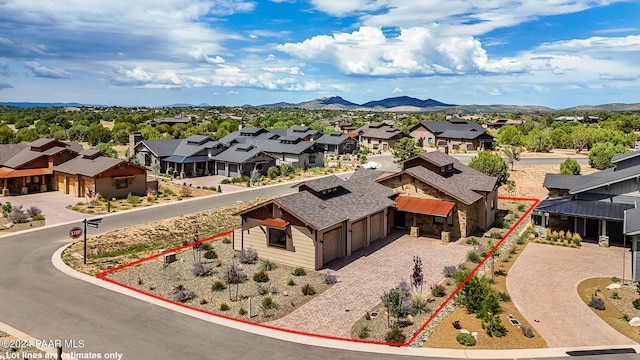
(529, 179)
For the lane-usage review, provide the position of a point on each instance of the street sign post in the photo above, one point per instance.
(94, 223)
(75, 232)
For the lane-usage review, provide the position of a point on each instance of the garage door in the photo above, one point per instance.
(221, 169)
(71, 185)
(233, 170)
(377, 226)
(358, 234)
(331, 245)
(60, 182)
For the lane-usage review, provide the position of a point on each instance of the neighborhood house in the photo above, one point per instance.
(330, 218)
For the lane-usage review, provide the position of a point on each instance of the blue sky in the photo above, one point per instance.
(556, 53)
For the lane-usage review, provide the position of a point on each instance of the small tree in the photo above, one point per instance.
(273, 172)
(397, 301)
(601, 153)
(510, 135)
(255, 176)
(512, 153)
(490, 164)
(406, 148)
(234, 276)
(570, 167)
(538, 140)
(417, 278)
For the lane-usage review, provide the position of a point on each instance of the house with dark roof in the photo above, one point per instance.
(379, 135)
(188, 157)
(496, 124)
(241, 159)
(455, 132)
(337, 143)
(47, 164)
(178, 119)
(594, 205)
(437, 194)
(301, 131)
(331, 218)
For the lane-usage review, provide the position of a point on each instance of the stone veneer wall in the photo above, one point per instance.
(465, 218)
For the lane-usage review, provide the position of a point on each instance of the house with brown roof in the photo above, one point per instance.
(438, 195)
(330, 218)
(48, 164)
(90, 172)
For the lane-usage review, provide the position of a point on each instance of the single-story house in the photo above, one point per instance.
(28, 168)
(496, 124)
(593, 205)
(241, 159)
(47, 164)
(465, 134)
(330, 218)
(379, 135)
(92, 173)
(178, 119)
(337, 143)
(437, 193)
(188, 157)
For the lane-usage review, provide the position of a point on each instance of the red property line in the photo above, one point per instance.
(101, 276)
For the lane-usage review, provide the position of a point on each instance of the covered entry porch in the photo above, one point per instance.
(424, 216)
(593, 220)
(24, 181)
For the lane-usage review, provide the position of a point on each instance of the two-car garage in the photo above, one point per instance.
(334, 241)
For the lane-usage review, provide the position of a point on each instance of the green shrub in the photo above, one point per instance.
(474, 256)
(307, 289)
(364, 332)
(260, 276)
(203, 301)
(521, 207)
(242, 311)
(615, 295)
(273, 172)
(495, 235)
(438, 291)
(367, 316)
(134, 200)
(218, 286)
(395, 336)
(471, 241)
(225, 181)
(419, 304)
(224, 307)
(494, 327)
(267, 265)
(290, 282)
(466, 339)
(299, 272)
(37, 217)
(636, 303)
(210, 254)
(267, 304)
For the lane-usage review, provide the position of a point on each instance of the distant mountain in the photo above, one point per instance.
(605, 107)
(404, 101)
(496, 108)
(338, 103)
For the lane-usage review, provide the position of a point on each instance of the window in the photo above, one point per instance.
(122, 183)
(493, 204)
(442, 169)
(439, 220)
(430, 140)
(277, 238)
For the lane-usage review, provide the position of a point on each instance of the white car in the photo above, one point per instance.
(371, 165)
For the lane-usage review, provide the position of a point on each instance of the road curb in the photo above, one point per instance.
(285, 335)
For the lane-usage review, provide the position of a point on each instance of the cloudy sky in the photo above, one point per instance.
(557, 53)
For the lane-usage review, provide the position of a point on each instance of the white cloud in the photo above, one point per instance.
(270, 57)
(200, 56)
(293, 70)
(396, 90)
(232, 92)
(415, 51)
(45, 72)
(345, 7)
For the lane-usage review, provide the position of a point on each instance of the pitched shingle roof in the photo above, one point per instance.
(604, 178)
(162, 148)
(334, 138)
(87, 167)
(7, 151)
(560, 181)
(323, 183)
(438, 127)
(238, 153)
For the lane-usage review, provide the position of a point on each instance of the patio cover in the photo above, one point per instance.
(186, 159)
(7, 173)
(432, 207)
(586, 209)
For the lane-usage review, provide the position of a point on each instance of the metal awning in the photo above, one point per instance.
(274, 223)
(432, 207)
(586, 209)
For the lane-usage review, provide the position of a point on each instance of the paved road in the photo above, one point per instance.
(43, 302)
(388, 165)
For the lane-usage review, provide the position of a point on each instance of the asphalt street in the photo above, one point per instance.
(47, 304)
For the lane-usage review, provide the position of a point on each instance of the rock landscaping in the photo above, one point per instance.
(217, 279)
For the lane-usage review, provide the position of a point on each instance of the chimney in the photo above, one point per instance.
(134, 138)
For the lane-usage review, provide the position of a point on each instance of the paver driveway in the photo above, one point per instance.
(362, 281)
(543, 285)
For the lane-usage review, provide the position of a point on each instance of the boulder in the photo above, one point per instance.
(475, 335)
(635, 321)
(464, 331)
(613, 286)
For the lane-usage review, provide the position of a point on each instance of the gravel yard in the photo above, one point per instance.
(284, 288)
